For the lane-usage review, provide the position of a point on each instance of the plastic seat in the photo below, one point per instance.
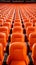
(18, 54)
(32, 39)
(3, 40)
(17, 20)
(9, 20)
(17, 29)
(27, 24)
(34, 54)
(30, 30)
(26, 20)
(1, 54)
(17, 24)
(4, 29)
(17, 37)
(7, 24)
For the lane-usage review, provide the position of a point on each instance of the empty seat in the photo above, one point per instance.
(9, 20)
(17, 29)
(7, 24)
(32, 39)
(17, 37)
(26, 20)
(27, 24)
(18, 54)
(17, 24)
(30, 30)
(3, 40)
(17, 20)
(4, 29)
(34, 54)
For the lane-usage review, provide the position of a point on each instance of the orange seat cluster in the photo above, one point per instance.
(18, 45)
(17, 34)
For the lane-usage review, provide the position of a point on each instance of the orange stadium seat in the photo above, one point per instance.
(17, 29)
(17, 24)
(18, 54)
(3, 40)
(26, 20)
(17, 37)
(17, 20)
(32, 39)
(9, 20)
(27, 24)
(7, 24)
(4, 29)
(30, 30)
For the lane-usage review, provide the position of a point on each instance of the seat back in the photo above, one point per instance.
(9, 20)
(17, 24)
(17, 37)
(17, 29)
(27, 24)
(17, 20)
(30, 30)
(26, 20)
(7, 24)
(18, 50)
(4, 29)
(3, 39)
(32, 39)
